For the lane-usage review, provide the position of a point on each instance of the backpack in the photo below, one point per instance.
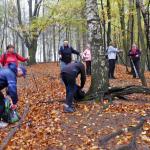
(9, 115)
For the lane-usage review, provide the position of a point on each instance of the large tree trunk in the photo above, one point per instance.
(27, 35)
(122, 22)
(104, 25)
(32, 51)
(130, 35)
(99, 69)
(54, 42)
(109, 22)
(146, 17)
(142, 42)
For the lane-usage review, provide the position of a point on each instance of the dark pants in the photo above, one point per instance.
(2, 104)
(136, 63)
(70, 84)
(111, 68)
(88, 67)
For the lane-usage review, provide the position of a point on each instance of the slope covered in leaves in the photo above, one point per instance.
(47, 127)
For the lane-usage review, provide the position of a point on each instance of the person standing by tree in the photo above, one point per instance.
(69, 75)
(134, 54)
(11, 57)
(65, 53)
(86, 56)
(112, 56)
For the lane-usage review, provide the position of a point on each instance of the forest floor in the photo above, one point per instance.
(47, 127)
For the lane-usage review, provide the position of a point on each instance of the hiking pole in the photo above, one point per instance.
(136, 73)
(123, 62)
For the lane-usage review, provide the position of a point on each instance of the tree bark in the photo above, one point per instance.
(142, 42)
(109, 22)
(54, 43)
(29, 39)
(99, 82)
(146, 17)
(122, 22)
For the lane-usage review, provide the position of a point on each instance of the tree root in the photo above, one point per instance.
(136, 131)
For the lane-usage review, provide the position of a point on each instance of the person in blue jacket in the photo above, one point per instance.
(65, 53)
(69, 74)
(8, 79)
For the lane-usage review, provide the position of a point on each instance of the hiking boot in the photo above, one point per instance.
(3, 124)
(68, 109)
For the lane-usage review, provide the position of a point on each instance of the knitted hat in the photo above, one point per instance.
(24, 71)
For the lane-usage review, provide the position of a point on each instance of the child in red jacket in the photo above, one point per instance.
(11, 57)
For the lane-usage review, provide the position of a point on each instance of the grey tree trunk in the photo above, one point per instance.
(142, 43)
(29, 39)
(122, 23)
(109, 22)
(54, 42)
(99, 82)
(130, 35)
(146, 17)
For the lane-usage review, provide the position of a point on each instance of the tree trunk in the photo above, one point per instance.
(122, 22)
(32, 51)
(54, 43)
(29, 39)
(44, 51)
(146, 17)
(104, 25)
(99, 80)
(78, 40)
(130, 25)
(142, 42)
(109, 22)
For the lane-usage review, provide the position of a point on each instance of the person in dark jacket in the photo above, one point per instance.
(8, 79)
(69, 74)
(134, 54)
(65, 53)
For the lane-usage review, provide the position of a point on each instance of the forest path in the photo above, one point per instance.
(48, 127)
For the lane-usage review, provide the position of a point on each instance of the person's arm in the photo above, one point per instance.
(84, 54)
(20, 58)
(12, 88)
(74, 51)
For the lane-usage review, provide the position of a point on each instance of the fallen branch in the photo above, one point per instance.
(14, 130)
(135, 129)
(128, 90)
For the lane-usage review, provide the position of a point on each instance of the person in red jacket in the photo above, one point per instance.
(11, 57)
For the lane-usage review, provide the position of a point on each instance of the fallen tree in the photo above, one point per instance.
(118, 92)
(135, 130)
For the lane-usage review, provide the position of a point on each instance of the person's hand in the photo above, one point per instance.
(28, 57)
(13, 106)
(136, 55)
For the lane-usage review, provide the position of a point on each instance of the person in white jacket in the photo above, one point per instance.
(86, 56)
(112, 57)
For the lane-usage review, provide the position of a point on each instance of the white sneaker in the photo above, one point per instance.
(3, 124)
